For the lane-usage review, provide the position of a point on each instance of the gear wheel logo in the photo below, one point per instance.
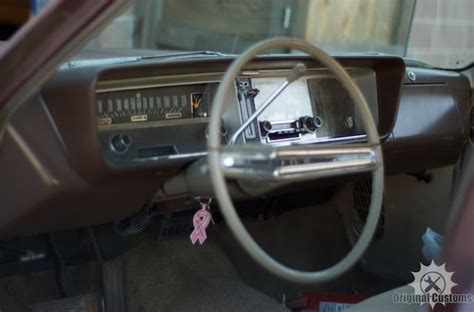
(433, 282)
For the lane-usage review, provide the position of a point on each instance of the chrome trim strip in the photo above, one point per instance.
(40, 168)
(153, 82)
(305, 140)
(183, 156)
(154, 124)
(352, 138)
(200, 78)
(193, 155)
(187, 155)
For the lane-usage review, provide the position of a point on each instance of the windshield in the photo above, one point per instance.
(438, 32)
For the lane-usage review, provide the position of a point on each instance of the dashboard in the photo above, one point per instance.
(97, 142)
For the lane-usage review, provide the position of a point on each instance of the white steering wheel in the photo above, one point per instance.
(294, 163)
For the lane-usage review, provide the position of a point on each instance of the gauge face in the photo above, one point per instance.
(199, 108)
(152, 104)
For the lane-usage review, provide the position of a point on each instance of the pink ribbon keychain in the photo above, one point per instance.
(201, 220)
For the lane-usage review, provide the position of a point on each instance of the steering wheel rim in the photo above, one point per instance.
(218, 177)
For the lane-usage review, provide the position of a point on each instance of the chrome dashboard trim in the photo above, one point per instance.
(184, 156)
(191, 156)
(41, 169)
(153, 124)
(103, 86)
(154, 82)
(349, 139)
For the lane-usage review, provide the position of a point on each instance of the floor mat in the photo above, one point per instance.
(19, 291)
(173, 273)
(311, 238)
(225, 295)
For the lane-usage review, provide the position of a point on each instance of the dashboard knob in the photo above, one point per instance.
(311, 124)
(120, 143)
(265, 127)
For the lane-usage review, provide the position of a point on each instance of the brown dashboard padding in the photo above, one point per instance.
(432, 121)
(40, 191)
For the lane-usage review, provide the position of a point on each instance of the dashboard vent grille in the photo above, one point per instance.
(361, 195)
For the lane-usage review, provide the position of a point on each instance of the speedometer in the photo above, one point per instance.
(152, 104)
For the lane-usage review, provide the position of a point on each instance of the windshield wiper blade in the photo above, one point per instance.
(184, 54)
(131, 59)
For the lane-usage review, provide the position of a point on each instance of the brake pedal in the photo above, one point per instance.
(137, 222)
(112, 274)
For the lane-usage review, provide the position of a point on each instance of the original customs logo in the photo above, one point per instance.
(432, 285)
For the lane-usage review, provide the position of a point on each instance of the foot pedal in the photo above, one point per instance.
(85, 303)
(135, 223)
(177, 225)
(113, 286)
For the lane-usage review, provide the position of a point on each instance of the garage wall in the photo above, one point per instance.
(231, 26)
(359, 25)
(443, 32)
